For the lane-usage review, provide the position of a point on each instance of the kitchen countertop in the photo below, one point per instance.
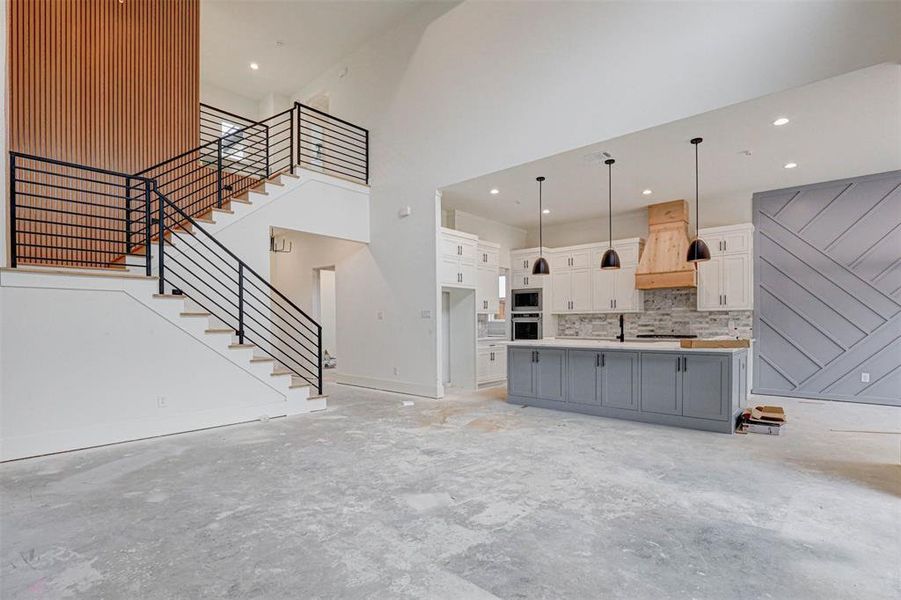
(599, 344)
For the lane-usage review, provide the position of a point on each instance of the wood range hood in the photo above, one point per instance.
(662, 264)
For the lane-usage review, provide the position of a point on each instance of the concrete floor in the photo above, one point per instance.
(465, 498)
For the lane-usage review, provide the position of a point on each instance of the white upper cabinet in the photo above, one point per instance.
(487, 296)
(614, 291)
(725, 281)
(458, 259)
(577, 284)
(521, 274)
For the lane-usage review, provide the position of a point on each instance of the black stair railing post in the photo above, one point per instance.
(148, 232)
(161, 230)
(295, 114)
(219, 173)
(240, 303)
(319, 350)
(267, 152)
(127, 217)
(13, 250)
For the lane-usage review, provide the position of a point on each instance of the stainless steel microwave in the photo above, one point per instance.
(526, 300)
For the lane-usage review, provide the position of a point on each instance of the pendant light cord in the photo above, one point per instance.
(540, 221)
(610, 203)
(697, 194)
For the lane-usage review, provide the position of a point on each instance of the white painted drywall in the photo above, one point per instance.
(327, 311)
(82, 367)
(589, 231)
(509, 238)
(228, 100)
(489, 85)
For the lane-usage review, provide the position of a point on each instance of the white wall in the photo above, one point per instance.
(489, 85)
(327, 317)
(83, 367)
(589, 231)
(510, 238)
(227, 100)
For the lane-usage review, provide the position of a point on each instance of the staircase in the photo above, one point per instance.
(160, 226)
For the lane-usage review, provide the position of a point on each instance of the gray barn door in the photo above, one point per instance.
(827, 290)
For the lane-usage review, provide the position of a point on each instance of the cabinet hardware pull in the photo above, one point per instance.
(537, 356)
(725, 300)
(724, 245)
(597, 360)
(678, 364)
(684, 364)
(603, 360)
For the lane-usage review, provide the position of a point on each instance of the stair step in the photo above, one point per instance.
(224, 210)
(169, 296)
(239, 346)
(217, 331)
(240, 200)
(260, 359)
(296, 386)
(194, 314)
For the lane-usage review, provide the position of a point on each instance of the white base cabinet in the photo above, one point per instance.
(491, 363)
(725, 282)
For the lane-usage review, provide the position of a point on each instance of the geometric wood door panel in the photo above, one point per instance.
(827, 284)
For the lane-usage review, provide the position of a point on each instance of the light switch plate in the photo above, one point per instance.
(425, 314)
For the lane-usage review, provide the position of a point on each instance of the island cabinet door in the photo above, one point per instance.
(661, 383)
(705, 386)
(521, 372)
(551, 374)
(619, 380)
(584, 376)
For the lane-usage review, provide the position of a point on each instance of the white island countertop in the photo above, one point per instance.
(589, 344)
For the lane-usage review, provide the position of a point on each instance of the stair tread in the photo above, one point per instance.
(224, 210)
(241, 346)
(195, 314)
(75, 272)
(259, 359)
(219, 331)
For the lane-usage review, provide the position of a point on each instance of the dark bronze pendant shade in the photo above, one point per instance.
(610, 260)
(697, 249)
(541, 266)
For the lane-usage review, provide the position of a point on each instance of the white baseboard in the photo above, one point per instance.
(390, 385)
(51, 442)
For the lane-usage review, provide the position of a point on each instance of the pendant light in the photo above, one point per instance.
(697, 250)
(540, 267)
(611, 258)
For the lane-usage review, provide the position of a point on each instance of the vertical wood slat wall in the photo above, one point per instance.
(106, 83)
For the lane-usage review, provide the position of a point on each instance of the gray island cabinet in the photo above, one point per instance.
(655, 382)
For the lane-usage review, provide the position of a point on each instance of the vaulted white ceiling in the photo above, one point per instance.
(841, 127)
(292, 41)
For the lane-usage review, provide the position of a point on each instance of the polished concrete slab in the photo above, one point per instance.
(467, 497)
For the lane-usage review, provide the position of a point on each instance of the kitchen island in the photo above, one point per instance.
(653, 382)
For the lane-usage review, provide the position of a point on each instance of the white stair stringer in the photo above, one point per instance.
(300, 396)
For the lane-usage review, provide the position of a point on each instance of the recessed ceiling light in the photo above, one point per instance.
(494, 191)
(647, 192)
(546, 211)
(781, 121)
(254, 66)
(791, 165)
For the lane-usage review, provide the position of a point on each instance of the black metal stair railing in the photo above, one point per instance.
(203, 269)
(66, 214)
(331, 145)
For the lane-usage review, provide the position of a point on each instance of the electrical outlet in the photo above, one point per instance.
(396, 371)
(161, 402)
(425, 314)
(865, 378)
